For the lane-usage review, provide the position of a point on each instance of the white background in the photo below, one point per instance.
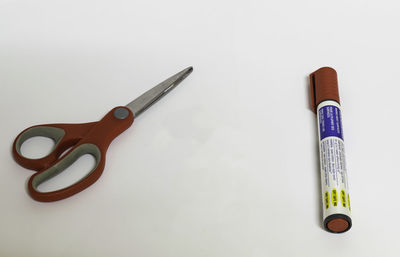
(225, 165)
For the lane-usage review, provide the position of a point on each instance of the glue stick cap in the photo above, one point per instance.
(323, 86)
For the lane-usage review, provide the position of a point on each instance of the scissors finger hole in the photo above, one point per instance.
(37, 147)
(72, 174)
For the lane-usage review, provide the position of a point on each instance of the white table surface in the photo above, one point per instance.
(226, 164)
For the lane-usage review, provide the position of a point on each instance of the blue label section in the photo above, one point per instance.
(330, 122)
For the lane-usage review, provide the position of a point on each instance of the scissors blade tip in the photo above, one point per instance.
(147, 99)
(184, 73)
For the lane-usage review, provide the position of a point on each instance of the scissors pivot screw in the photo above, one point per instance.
(121, 113)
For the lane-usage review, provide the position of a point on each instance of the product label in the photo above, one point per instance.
(332, 160)
(343, 198)
(326, 200)
(330, 124)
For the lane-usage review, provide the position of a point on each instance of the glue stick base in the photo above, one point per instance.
(337, 223)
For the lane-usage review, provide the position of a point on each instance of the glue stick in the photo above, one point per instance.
(335, 190)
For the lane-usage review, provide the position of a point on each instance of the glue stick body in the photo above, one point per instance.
(335, 189)
(334, 182)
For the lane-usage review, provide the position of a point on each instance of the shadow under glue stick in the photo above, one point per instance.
(335, 191)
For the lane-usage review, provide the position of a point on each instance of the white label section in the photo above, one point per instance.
(335, 191)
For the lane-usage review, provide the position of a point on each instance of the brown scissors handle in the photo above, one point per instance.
(89, 138)
(63, 135)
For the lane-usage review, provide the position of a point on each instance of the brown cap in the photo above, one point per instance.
(323, 86)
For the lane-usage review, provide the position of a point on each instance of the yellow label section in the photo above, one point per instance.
(348, 200)
(334, 197)
(343, 198)
(326, 198)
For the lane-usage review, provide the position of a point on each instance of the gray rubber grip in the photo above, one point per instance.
(67, 161)
(41, 131)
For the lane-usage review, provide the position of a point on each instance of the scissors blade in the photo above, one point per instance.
(150, 97)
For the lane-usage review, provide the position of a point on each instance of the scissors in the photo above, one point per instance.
(84, 138)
